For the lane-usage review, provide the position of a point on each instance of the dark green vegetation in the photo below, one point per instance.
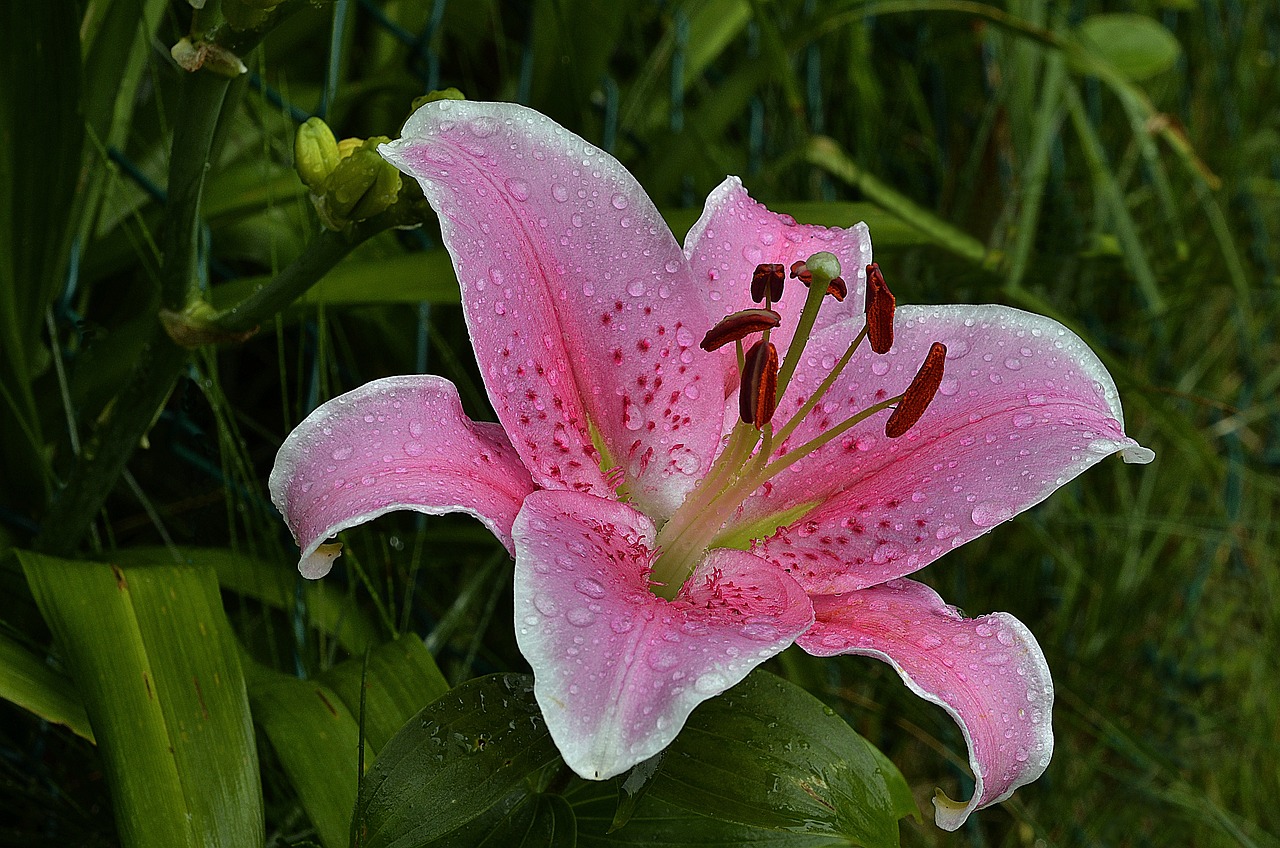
(1121, 174)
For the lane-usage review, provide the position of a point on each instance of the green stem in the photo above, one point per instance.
(321, 254)
(189, 162)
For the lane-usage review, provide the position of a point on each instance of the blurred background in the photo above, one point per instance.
(1115, 165)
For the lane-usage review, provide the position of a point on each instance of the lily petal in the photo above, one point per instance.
(988, 673)
(617, 670)
(1024, 407)
(581, 306)
(395, 443)
(736, 233)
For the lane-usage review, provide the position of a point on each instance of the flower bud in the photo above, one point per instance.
(315, 153)
(361, 185)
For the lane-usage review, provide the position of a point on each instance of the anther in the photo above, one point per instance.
(768, 278)
(880, 305)
(918, 396)
(759, 393)
(837, 289)
(739, 325)
(800, 271)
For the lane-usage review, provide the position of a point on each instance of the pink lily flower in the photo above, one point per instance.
(670, 535)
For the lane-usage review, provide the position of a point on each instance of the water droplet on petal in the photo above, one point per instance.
(590, 587)
(760, 631)
(342, 453)
(619, 201)
(1023, 420)
(580, 617)
(990, 514)
(560, 193)
(635, 288)
(519, 189)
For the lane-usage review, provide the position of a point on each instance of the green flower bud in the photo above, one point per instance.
(315, 153)
(360, 186)
(450, 93)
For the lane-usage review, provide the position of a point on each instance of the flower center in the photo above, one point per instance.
(748, 459)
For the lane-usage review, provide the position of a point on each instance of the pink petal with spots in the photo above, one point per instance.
(396, 443)
(580, 304)
(987, 672)
(1024, 407)
(617, 670)
(735, 234)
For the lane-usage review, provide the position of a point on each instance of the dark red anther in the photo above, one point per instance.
(880, 304)
(759, 393)
(918, 396)
(768, 277)
(800, 271)
(739, 325)
(837, 289)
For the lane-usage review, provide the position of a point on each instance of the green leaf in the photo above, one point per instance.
(1137, 46)
(275, 584)
(401, 678)
(43, 134)
(768, 754)
(154, 659)
(458, 758)
(828, 155)
(31, 684)
(316, 739)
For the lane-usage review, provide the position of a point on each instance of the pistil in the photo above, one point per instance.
(747, 460)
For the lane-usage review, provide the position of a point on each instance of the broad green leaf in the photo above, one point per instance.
(401, 678)
(154, 659)
(768, 754)
(31, 684)
(658, 823)
(278, 585)
(1137, 46)
(453, 762)
(521, 820)
(316, 739)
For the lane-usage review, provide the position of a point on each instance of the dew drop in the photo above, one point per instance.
(1023, 420)
(342, 453)
(760, 631)
(662, 658)
(990, 514)
(590, 587)
(879, 368)
(546, 604)
(519, 189)
(710, 683)
(559, 192)
(619, 201)
(635, 288)
(621, 623)
(483, 127)
(576, 219)
(580, 617)
(928, 642)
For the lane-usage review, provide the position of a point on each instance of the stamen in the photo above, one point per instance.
(837, 289)
(739, 325)
(767, 279)
(758, 395)
(800, 271)
(880, 305)
(918, 396)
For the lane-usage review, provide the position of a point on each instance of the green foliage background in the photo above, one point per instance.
(1115, 165)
